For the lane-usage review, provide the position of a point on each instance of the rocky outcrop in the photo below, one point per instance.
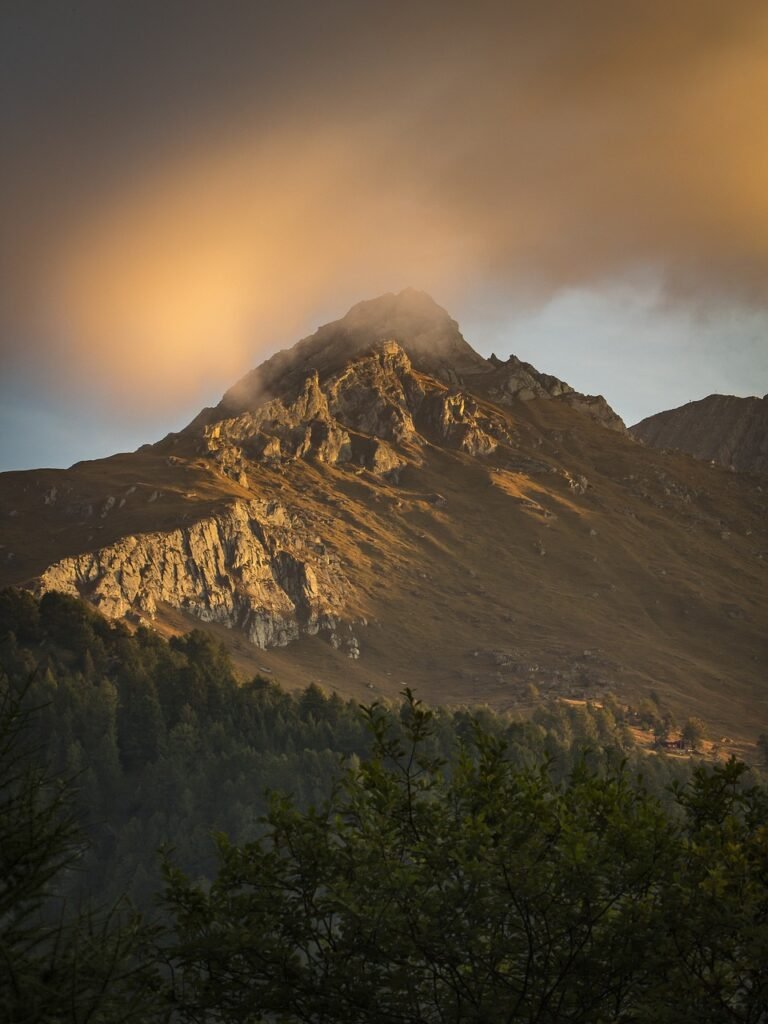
(362, 414)
(378, 394)
(516, 379)
(253, 566)
(721, 428)
(457, 418)
(303, 428)
(353, 417)
(596, 407)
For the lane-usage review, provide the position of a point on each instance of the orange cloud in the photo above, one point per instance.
(527, 146)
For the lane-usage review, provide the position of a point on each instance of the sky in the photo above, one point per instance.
(186, 187)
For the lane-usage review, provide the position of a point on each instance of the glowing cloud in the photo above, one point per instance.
(264, 167)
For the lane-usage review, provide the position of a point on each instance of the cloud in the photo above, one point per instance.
(188, 187)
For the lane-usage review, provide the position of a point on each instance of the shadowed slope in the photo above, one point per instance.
(722, 428)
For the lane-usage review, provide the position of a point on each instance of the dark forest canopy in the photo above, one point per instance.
(167, 745)
(411, 865)
(487, 892)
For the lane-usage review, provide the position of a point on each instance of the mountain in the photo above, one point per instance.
(721, 428)
(380, 505)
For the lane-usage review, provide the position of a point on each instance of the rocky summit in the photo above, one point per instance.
(380, 505)
(721, 428)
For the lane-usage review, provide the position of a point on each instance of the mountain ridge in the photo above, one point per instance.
(430, 337)
(726, 429)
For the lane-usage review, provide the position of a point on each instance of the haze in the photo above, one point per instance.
(188, 186)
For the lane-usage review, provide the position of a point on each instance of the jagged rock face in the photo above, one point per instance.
(363, 414)
(252, 566)
(277, 431)
(515, 380)
(459, 421)
(378, 395)
(351, 418)
(423, 329)
(721, 428)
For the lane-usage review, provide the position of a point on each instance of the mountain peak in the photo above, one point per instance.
(422, 328)
(410, 311)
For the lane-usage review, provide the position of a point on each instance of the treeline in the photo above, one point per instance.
(166, 746)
